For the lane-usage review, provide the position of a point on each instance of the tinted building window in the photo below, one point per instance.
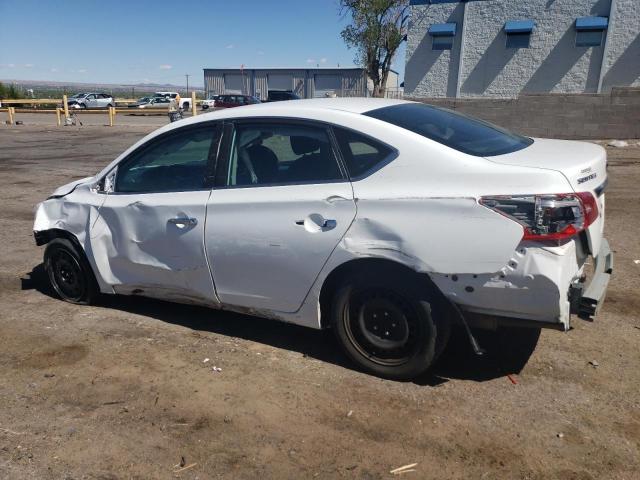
(518, 40)
(589, 38)
(465, 134)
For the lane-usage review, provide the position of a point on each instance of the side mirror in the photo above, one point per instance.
(108, 182)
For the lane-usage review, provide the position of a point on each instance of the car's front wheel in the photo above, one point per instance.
(69, 272)
(385, 325)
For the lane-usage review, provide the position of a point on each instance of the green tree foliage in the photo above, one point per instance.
(377, 29)
(9, 91)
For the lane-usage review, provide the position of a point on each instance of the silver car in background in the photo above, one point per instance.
(91, 100)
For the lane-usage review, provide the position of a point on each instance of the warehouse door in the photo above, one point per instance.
(280, 81)
(233, 83)
(326, 85)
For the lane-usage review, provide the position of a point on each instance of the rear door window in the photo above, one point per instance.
(279, 154)
(362, 155)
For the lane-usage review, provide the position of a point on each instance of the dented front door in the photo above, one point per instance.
(155, 245)
(151, 229)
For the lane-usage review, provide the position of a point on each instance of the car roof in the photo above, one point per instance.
(352, 105)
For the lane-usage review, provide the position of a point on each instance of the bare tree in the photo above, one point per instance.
(378, 28)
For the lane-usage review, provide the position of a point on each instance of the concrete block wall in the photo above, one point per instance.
(622, 62)
(569, 116)
(432, 72)
(480, 65)
(551, 64)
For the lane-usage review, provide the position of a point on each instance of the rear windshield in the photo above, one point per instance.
(465, 134)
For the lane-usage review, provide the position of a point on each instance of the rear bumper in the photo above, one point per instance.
(542, 286)
(585, 303)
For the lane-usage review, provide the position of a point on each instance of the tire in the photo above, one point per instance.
(83, 106)
(69, 272)
(384, 324)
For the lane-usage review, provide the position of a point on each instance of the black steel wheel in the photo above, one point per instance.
(385, 325)
(69, 272)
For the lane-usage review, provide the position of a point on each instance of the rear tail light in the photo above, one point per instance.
(549, 216)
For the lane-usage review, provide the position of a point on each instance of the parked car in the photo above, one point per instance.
(280, 95)
(185, 103)
(156, 102)
(210, 102)
(385, 220)
(91, 100)
(230, 101)
(139, 102)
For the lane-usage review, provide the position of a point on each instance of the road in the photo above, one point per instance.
(124, 389)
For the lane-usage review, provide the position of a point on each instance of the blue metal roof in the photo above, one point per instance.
(442, 30)
(592, 23)
(519, 26)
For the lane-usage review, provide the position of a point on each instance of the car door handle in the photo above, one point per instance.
(184, 221)
(317, 221)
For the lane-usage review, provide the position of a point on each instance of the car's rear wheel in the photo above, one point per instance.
(385, 325)
(69, 272)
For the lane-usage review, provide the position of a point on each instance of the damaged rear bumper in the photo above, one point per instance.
(542, 286)
(585, 303)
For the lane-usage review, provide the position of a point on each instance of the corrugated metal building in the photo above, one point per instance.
(304, 82)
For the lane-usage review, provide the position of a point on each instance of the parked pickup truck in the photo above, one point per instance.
(185, 102)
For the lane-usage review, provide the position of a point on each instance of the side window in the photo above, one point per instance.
(361, 154)
(177, 162)
(269, 153)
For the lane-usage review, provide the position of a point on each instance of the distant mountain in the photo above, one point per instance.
(78, 86)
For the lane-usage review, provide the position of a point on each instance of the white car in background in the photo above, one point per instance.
(384, 220)
(91, 100)
(210, 102)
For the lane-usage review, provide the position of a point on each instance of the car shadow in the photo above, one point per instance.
(505, 354)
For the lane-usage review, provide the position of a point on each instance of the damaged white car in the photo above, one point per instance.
(385, 220)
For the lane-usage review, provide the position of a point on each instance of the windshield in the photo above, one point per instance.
(78, 95)
(465, 134)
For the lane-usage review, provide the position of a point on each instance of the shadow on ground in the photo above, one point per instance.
(508, 350)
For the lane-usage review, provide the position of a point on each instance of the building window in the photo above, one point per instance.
(442, 35)
(518, 40)
(588, 39)
(442, 43)
(518, 33)
(590, 31)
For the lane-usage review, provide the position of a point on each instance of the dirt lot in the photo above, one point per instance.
(121, 391)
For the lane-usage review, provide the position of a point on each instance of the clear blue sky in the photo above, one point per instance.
(135, 41)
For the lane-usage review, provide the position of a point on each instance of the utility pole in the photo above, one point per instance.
(187, 75)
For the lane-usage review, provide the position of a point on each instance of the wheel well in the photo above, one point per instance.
(374, 265)
(45, 236)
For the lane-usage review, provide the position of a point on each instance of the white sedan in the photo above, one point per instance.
(384, 220)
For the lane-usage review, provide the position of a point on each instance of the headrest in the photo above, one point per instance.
(301, 145)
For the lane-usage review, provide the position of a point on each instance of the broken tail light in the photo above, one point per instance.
(548, 216)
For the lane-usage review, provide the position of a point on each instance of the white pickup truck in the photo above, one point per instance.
(185, 102)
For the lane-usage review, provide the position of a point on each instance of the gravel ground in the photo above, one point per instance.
(121, 390)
